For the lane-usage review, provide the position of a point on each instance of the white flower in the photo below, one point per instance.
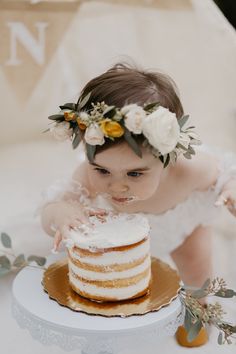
(162, 130)
(94, 135)
(62, 131)
(134, 117)
(84, 116)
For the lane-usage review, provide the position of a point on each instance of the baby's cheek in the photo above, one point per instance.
(145, 189)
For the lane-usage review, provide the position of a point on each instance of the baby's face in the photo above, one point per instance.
(123, 176)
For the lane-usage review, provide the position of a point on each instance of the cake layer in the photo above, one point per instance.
(110, 274)
(113, 257)
(110, 293)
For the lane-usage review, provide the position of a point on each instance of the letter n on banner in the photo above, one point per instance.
(30, 36)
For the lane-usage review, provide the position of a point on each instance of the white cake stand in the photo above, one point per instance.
(50, 323)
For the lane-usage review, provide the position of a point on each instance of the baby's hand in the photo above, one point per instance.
(228, 196)
(72, 216)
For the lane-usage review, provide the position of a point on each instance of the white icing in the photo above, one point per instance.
(118, 293)
(91, 275)
(115, 257)
(117, 230)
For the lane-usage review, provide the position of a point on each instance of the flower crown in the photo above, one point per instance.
(163, 133)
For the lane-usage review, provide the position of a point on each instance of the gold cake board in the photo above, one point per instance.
(164, 288)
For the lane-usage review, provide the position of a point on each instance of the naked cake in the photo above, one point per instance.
(111, 261)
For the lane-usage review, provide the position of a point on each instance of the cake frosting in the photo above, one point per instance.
(111, 260)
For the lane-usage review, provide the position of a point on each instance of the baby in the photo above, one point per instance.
(142, 158)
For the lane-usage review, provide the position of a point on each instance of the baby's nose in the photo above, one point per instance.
(118, 187)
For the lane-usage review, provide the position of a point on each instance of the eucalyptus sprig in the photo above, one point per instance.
(9, 261)
(198, 315)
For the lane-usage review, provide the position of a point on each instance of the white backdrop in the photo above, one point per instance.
(51, 49)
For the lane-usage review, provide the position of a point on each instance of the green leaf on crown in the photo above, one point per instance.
(109, 112)
(71, 106)
(91, 149)
(82, 102)
(77, 137)
(6, 240)
(57, 117)
(151, 106)
(166, 160)
(132, 143)
(191, 150)
(187, 155)
(183, 120)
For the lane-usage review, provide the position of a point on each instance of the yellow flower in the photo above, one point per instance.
(111, 128)
(69, 116)
(81, 125)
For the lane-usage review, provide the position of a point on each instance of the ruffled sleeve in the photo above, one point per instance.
(66, 188)
(226, 166)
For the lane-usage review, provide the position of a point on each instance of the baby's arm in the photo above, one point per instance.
(68, 211)
(194, 257)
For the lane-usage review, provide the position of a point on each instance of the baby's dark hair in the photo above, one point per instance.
(124, 84)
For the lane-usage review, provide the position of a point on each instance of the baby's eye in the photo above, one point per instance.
(102, 171)
(134, 174)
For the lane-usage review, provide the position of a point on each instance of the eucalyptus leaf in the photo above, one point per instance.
(45, 131)
(109, 111)
(57, 117)
(191, 150)
(187, 320)
(39, 260)
(225, 293)
(6, 240)
(4, 271)
(220, 338)
(206, 284)
(183, 120)
(187, 155)
(190, 127)
(91, 149)
(19, 261)
(132, 143)
(181, 147)
(195, 142)
(167, 160)
(77, 139)
(194, 330)
(151, 106)
(199, 294)
(70, 106)
(5, 263)
(82, 102)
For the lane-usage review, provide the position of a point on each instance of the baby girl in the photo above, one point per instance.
(142, 157)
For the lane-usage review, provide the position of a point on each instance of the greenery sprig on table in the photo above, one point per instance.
(198, 315)
(10, 262)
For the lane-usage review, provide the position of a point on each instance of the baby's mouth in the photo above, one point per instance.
(123, 200)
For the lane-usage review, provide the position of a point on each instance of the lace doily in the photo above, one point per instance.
(68, 340)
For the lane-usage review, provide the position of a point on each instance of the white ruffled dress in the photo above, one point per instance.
(169, 229)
